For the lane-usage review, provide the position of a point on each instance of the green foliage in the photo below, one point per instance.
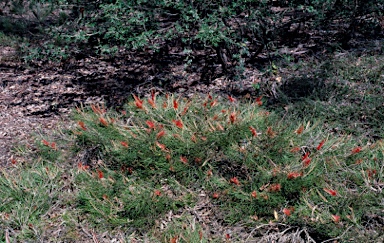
(234, 32)
(345, 92)
(247, 162)
(27, 196)
(116, 201)
(126, 170)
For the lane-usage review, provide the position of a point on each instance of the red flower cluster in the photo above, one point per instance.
(306, 160)
(138, 102)
(300, 130)
(152, 100)
(330, 192)
(356, 150)
(235, 181)
(253, 131)
(52, 145)
(178, 123)
(103, 121)
(294, 175)
(320, 145)
(82, 125)
(275, 187)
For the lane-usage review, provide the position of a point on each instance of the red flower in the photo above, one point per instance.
(174, 239)
(152, 100)
(103, 122)
(184, 159)
(306, 162)
(294, 175)
(270, 132)
(287, 211)
(356, 150)
(295, 150)
(358, 161)
(138, 102)
(306, 159)
(253, 131)
(48, 144)
(153, 95)
(213, 103)
(209, 173)
(152, 103)
(177, 136)
(330, 192)
(215, 195)
(371, 173)
(13, 161)
(82, 125)
(161, 146)
(193, 138)
(157, 193)
(235, 181)
(185, 110)
(53, 145)
(259, 101)
(306, 155)
(219, 127)
(231, 99)
(254, 194)
(100, 174)
(97, 109)
(130, 170)
(300, 130)
(336, 218)
(124, 144)
(160, 134)
(320, 145)
(178, 123)
(45, 142)
(232, 117)
(175, 104)
(150, 124)
(80, 166)
(275, 187)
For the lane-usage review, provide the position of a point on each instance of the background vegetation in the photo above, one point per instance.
(229, 33)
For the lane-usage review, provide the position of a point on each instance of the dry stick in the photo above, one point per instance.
(94, 238)
(337, 238)
(261, 226)
(7, 240)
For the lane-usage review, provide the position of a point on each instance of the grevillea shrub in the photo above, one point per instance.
(251, 164)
